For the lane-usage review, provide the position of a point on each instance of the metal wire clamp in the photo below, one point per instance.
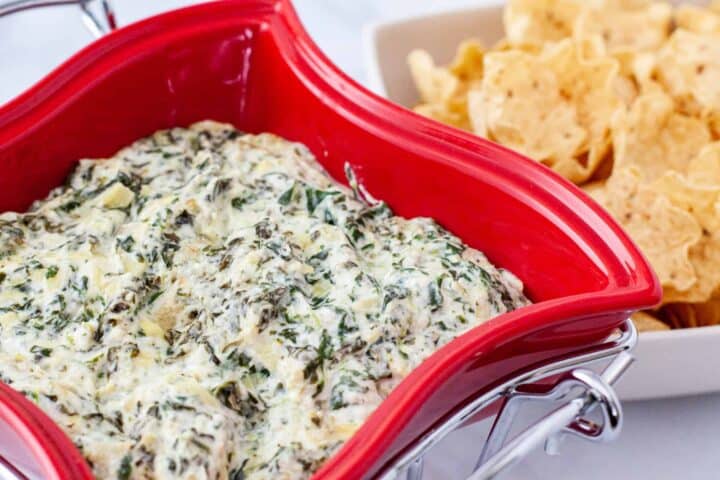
(578, 391)
(98, 22)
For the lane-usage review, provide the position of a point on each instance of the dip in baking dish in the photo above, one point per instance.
(209, 304)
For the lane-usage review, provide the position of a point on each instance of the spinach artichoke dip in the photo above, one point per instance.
(211, 305)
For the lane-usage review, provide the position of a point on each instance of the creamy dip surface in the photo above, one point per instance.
(210, 305)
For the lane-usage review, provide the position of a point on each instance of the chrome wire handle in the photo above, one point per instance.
(99, 23)
(579, 391)
(569, 418)
(8, 471)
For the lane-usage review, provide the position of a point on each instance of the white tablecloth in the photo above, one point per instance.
(662, 440)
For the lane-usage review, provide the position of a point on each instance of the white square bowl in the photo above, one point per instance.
(670, 363)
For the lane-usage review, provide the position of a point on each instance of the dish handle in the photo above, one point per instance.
(99, 23)
(578, 391)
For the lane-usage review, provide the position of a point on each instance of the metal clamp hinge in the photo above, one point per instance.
(581, 391)
(98, 22)
(578, 392)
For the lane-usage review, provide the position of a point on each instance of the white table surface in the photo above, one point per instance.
(662, 440)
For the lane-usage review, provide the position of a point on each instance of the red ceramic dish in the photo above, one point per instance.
(251, 63)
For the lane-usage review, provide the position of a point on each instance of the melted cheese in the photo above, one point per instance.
(207, 304)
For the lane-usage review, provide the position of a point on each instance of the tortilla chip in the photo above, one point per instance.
(534, 22)
(435, 84)
(697, 19)
(444, 95)
(701, 200)
(588, 79)
(554, 107)
(654, 138)
(704, 169)
(477, 112)
(703, 203)
(645, 322)
(442, 114)
(705, 258)
(713, 120)
(519, 94)
(596, 190)
(468, 63)
(620, 4)
(625, 89)
(664, 232)
(684, 315)
(689, 68)
(630, 26)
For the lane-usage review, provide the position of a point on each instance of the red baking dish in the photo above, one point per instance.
(251, 63)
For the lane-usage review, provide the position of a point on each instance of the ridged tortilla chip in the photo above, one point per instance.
(467, 66)
(645, 322)
(436, 85)
(665, 233)
(588, 78)
(633, 26)
(554, 107)
(697, 19)
(700, 200)
(653, 137)
(535, 22)
(688, 67)
(443, 94)
(704, 169)
(444, 114)
(596, 190)
(520, 106)
(684, 315)
(705, 258)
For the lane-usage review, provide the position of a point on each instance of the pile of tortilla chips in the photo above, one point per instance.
(621, 97)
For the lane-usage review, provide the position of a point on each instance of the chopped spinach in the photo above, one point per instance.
(52, 270)
(314, 197)
(125, 469)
